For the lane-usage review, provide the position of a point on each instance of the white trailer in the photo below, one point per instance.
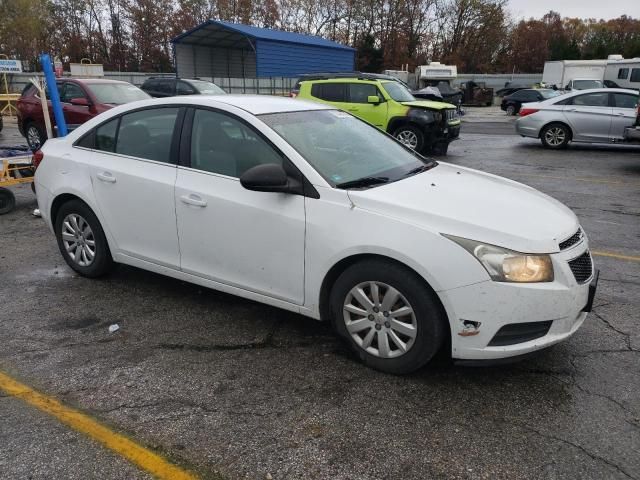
(561, 72)
(435, 72)
(623, 73)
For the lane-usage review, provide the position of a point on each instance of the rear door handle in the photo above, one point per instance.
(194, 200)
(106, 177)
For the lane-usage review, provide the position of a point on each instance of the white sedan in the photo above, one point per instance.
(595, 116)
(309, 209)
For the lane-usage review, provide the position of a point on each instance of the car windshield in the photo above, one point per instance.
(345, 150)
(398, 92)
(207, 88)
(116, 93)
(549, 93)
(586, 84)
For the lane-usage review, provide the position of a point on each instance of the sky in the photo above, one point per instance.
(575, 8)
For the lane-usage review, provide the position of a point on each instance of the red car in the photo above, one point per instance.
(82, 99)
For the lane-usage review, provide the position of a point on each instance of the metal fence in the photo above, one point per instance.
(263, 86)
(498, 81)
(273, 85)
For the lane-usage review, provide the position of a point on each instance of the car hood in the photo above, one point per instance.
(479, 206)
(429, 104)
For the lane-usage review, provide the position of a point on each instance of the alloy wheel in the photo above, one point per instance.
(408, 138)
(78, 240)
(555, 136)
(380, 319)
(33, 137)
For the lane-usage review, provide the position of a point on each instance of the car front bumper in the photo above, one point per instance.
(479, 311)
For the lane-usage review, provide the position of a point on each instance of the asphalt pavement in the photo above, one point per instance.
(233, 389)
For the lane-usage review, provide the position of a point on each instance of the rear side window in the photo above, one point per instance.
(635, 75)
(623, 73)
(331, 92)
(624, 100)
(599, 99)
(105, 138)
(147, 134)
(165, 86)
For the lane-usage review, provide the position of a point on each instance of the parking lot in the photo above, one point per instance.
(229, 388)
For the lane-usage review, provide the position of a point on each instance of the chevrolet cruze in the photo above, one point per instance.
(307, 208)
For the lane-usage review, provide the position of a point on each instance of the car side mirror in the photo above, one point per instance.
(80, 102)
(269, 177)
(373, 99)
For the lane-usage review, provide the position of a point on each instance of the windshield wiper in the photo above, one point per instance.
(420, 169)
(363, 182)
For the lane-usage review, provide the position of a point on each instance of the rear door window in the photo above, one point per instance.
(166, 87)
(331, 92)
(147, 134)
(105, 138)
(635, 75)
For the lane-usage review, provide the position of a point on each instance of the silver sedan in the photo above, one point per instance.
(599, 115)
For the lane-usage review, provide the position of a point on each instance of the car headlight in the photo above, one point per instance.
(505, 265)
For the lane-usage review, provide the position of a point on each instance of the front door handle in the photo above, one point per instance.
(194, 200)
(106, 177)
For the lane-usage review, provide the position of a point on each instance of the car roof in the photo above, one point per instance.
(605, 90)
(89, 81)
(254, 104)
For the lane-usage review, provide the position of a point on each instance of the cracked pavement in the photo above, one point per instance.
(234, 389)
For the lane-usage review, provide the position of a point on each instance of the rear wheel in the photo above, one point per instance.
(81, 240)
(555, 136)
(35, 136)
(411, 137)
(387, 314)
(7, 201)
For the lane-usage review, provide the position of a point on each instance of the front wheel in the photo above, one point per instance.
(511, 110)
(410, 137)
(555, 136)
(388, 315)
(81, 240)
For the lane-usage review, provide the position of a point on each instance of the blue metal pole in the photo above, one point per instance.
(47, 68)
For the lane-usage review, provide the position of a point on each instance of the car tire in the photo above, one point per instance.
(7, 201)
(410, 137)
(511, 110)
(35, 136)
(555, 136)
(376, 341)
(81, 240)
(440, 149)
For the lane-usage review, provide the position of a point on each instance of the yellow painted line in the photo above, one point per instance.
(138, 455)
(619, 256)
(589, 180)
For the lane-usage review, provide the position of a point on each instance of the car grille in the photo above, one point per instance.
(450, 114)
(572, 240)
(520, 332)
(582, 267)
